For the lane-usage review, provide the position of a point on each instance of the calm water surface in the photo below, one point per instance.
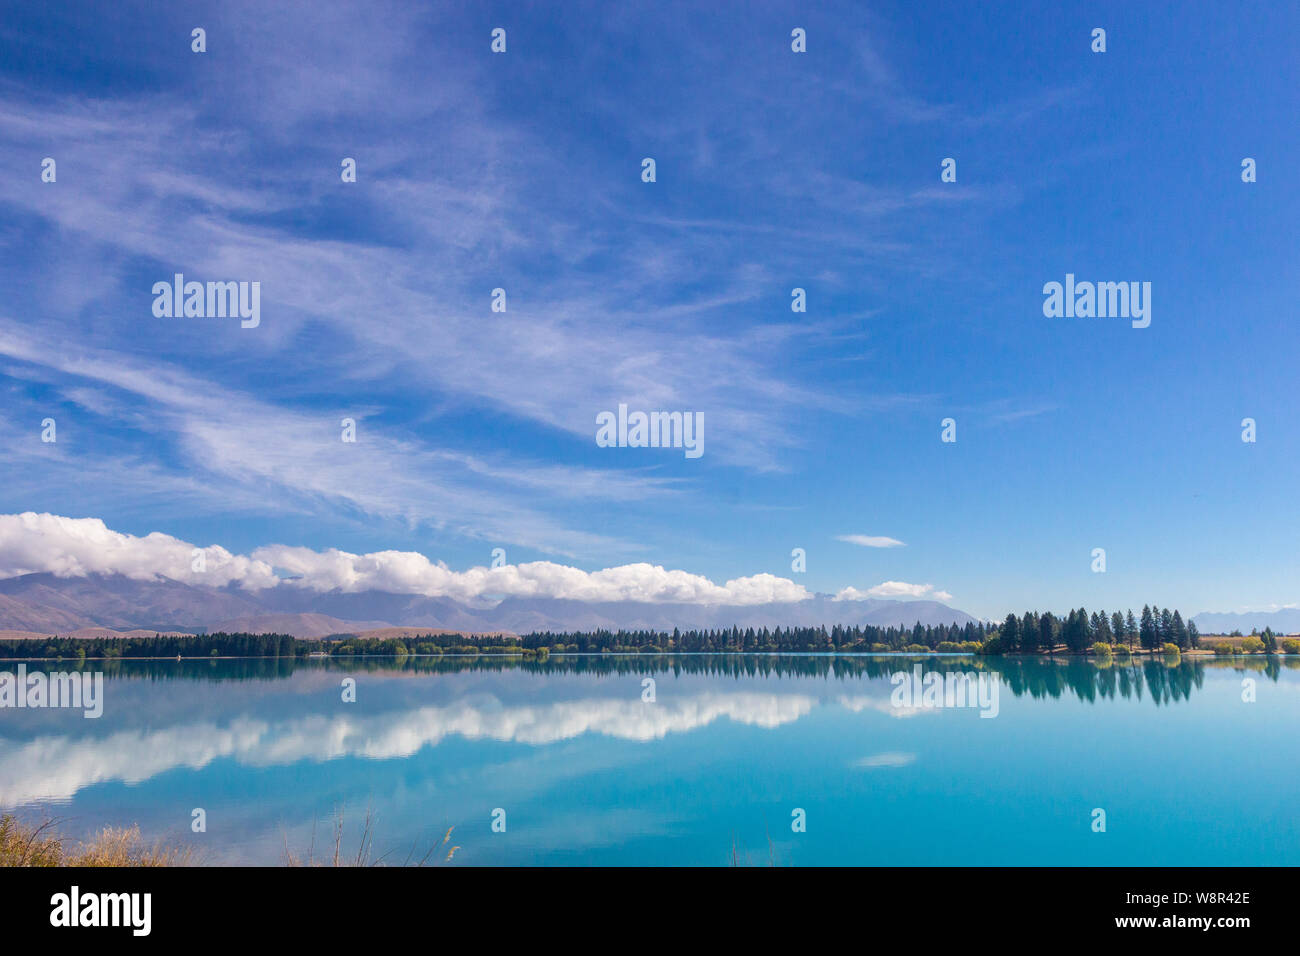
(588, 772)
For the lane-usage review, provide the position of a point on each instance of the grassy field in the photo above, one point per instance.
(39, 845)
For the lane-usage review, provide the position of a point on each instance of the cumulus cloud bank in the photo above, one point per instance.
(75, 547)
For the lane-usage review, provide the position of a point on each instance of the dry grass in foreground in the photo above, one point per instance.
(741, 857)
(39, 845)
(365, 854)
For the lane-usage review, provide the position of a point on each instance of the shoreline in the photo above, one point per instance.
(532, 656)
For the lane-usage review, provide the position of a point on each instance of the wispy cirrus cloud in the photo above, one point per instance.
(260, 452)
(870, 541)
(475, 424)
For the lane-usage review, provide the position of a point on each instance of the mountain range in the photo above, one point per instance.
(47, 604)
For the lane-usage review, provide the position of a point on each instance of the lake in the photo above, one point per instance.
(695, 760)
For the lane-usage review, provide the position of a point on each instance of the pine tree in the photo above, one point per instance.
(1047, 631)
(1009, 635)
(1181, 636)
(1148, 635)
(1075, 632)
(1029, 632)
(1101, 628)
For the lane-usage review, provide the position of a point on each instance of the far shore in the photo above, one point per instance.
(1076, 639)
(522, 654)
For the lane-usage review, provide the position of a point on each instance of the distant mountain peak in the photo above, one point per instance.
(47, 603)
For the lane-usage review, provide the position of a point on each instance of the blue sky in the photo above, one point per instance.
(775, 170)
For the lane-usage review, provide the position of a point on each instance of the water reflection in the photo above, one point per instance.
(290, 711)
(1038, 677)
(592, 772)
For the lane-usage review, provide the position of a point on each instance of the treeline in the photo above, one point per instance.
(1034, 633)
(222, 644)
(159, 645)
(347, 645)
(1030, 633)
(952, 637)
(352, 646)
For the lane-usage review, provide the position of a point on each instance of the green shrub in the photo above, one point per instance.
(1101, 650)
(917, 649)
(1171, 650)
(880, 648)
(1223, 649)
(1291, 646)
(948, 647)
(1251, 645)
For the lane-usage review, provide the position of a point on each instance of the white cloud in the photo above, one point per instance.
(54, 767)
(408, 572)
(894, 589)
(243, 444)
(870, 541)
(859, 704)
(614, 335)
(75, 547)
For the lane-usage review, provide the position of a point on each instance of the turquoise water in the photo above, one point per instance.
(714, 768)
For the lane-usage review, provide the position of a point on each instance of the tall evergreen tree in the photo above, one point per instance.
(1029, 633)
(1148, 634)
(1181, 637)
(1048, 628)
(1165, 627)
(1075, 632)
(1009, 635)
